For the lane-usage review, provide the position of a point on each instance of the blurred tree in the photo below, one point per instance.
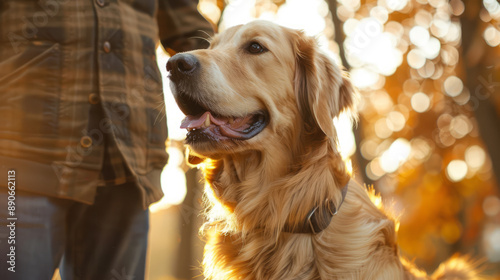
(482, 77)
(339, 38)
(417, 138)
(190, 247)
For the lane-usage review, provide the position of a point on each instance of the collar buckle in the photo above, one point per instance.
(320, 217)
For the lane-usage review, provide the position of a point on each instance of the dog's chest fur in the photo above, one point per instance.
(249, 242)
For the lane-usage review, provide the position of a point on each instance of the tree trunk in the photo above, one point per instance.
(360, 162)
(482, 80)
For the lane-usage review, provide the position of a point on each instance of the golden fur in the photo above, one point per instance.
(255, 187)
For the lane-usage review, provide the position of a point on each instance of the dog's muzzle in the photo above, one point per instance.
(202, 123)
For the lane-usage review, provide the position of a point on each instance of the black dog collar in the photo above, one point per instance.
(319, 217)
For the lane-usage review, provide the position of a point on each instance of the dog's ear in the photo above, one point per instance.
(322, 90)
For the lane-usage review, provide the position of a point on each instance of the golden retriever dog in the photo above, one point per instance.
(259, 106)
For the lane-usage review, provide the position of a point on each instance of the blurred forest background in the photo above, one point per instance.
(428, 136)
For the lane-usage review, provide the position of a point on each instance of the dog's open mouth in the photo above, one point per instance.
(203, 124)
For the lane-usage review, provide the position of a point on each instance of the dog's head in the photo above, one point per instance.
(257, 84)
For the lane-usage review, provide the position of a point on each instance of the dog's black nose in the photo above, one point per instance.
(182, 63)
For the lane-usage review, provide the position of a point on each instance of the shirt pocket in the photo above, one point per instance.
(30, 85)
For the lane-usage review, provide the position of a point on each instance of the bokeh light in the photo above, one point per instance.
(416, 58)
(453, 86)
(396, 155)
(492, 36)
(475, 157)
(456, 170)
(420, 102)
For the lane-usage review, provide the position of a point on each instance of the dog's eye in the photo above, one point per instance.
(256, 48)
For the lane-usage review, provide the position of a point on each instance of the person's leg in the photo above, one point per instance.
(37, 236)
(107, 240)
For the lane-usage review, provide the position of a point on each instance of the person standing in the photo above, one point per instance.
(82, 131)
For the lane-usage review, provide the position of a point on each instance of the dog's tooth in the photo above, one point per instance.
(207, 121)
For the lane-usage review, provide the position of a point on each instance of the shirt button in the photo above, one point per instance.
(86, 141)
(101, 3)
(93, 98)
(106, 47)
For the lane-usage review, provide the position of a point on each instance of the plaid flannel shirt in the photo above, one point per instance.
(81, 92)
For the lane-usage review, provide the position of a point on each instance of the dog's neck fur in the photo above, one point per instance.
(253, 179)
(260, 196)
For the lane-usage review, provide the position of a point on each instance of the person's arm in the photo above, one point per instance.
(182, 27)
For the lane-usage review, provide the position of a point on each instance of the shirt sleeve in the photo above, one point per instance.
(182, 28)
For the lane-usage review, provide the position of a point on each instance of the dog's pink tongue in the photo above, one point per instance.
(194, 121)
(199, 121)
(218, 126)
